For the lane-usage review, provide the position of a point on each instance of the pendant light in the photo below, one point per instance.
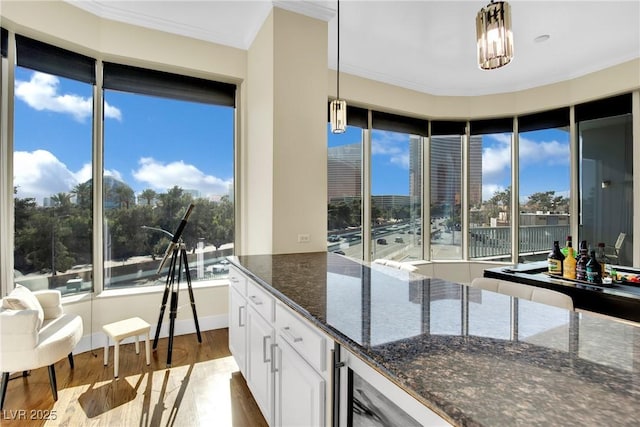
(338, 107)
(495, 39)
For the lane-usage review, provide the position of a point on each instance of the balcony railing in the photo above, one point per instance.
(495, 242)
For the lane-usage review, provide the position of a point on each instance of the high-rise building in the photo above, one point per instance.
(415, 170)
(475, 171)
(446, 169)
(344, 174)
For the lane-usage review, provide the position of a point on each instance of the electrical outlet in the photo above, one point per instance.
(303, 238)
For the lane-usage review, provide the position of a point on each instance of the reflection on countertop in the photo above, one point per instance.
(473, 356)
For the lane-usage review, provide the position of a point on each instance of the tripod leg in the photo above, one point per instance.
(173, 311)
(191, 298)
(165, 297)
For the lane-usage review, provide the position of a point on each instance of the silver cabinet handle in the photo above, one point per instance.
(264, 348)
(240, 317)
(254, 299)
(286, 331)
(273, 358)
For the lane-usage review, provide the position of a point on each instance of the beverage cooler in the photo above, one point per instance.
(364, 397)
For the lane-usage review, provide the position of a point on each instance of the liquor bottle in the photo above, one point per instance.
(555, 260)
(565, 250)
(582, 247)
(582, 259)
(594, 270)
(569, 264)
(603, 260)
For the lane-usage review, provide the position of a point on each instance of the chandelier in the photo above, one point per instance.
(495, 39)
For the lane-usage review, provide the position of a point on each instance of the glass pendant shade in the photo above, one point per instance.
(338, 115)
(495, 39)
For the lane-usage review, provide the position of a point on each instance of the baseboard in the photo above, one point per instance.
(182, 327)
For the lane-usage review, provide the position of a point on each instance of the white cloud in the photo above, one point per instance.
(115, 174)
(84, 174)
(547, 152)
(41, 93)
(488, 190)
(40, 174)
(496, 160)
(393, 145)
(161, 177)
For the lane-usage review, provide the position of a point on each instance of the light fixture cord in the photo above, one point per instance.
(338, 57)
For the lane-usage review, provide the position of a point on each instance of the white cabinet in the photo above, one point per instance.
(260, 368)
(238, 328)
(282, 357)
(300, 390)
(238, 322)
(301, 367)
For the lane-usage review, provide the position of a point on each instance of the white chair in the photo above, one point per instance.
(35, 332)
(613, 252)
(522, 291)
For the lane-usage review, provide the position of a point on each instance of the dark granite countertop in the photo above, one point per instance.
(473, 356)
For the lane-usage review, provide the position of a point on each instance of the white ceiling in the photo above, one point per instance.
(425, 45)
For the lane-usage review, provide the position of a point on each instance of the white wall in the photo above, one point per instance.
(212, 307)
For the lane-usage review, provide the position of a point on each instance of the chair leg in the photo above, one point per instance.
(70, 356)
(3, 392)
(52, 380)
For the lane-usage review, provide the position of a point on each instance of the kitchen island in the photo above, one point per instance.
(472, 356)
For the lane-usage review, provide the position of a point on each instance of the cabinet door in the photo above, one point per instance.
(259, 366)
(238, 329)
(300, 390)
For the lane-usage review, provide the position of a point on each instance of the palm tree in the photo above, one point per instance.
(149, 195)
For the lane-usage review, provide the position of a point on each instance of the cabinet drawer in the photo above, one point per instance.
(302, 337)
(260, 300)
(238, 280)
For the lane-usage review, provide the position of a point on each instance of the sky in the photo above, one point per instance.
(149, 142)
(544, 161)
(157, 143)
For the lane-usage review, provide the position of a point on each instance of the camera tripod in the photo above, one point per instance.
(178, 259)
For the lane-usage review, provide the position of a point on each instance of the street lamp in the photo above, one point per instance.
(146, 227)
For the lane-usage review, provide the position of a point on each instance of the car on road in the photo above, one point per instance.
(381, 241)
(399, 240)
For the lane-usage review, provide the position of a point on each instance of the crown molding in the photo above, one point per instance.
(318, 9)
(109, 10)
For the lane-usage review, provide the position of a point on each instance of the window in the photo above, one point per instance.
(52, 167)
(544, 182)
(344, 172)
(489, 216)
(396, 187)
(606, 173)
(168, 143)
(446, 189)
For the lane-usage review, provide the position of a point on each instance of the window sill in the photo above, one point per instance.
(156, 289)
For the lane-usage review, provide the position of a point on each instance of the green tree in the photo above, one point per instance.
(546, 201)
(83, 193)
(148, 195)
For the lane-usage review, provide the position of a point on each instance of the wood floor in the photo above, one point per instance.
(203, 387)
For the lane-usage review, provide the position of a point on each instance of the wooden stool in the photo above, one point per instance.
(118, 331)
